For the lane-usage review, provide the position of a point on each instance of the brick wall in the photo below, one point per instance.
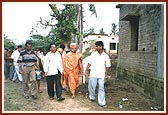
(140, 67)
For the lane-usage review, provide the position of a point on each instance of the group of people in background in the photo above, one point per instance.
(60, 69)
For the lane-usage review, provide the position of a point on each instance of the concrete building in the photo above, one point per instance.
(141, 48)
(110, 42)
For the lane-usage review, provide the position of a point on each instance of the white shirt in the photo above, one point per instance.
(40, 54)
(15, 55)
(98, 64)
(53, 63)
(43, 59)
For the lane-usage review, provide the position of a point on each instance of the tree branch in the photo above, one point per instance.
(46, 23)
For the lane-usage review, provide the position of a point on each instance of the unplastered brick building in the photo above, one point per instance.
(141, 47)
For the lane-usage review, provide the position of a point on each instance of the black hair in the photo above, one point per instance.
(6, 49)
(67, 51)
(27, 43)
(51, 44)
(100, 43)
(62, 46)
(19, 46)
(40, 49)
(12, 47)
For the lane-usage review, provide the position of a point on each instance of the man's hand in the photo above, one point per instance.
(82, 72)
(20, 71)
(36, 68)
(87, 70)
(45, 74)
(106, 76)
(86, 73)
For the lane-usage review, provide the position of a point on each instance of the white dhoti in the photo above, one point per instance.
(16, 73)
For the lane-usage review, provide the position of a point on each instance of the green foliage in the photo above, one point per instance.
(92, 9)
(39, 41)
(101, 31)
(114, 29)
(87, 50)
(90, 31)
(7, 42)
(86, 53)
(69, 23)
(66, 25)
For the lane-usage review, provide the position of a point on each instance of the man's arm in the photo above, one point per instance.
(20, 67)
(61, 64)
(45, 65)
(108, 65)
(87, 69)
(106, 73)
(81, 65)
(20, 59)
(36, 65)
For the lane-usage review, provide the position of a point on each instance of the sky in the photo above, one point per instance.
(19, 18)
(107, 13)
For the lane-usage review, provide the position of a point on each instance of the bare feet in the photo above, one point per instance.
(73, 96)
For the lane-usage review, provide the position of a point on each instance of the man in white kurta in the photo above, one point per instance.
(15, 56)
(53, 69)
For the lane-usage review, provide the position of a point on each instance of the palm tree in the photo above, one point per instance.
(114, 28)
(101, 31)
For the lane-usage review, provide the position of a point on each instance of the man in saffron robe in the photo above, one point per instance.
(72, 64)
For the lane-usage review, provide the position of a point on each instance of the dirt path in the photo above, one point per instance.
(116, 90)
(69, 104)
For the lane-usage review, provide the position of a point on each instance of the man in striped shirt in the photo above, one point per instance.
(27, 62)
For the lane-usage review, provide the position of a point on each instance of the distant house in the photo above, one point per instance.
(141, 48)
(110, 42)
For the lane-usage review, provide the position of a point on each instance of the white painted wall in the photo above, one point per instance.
(106, 39)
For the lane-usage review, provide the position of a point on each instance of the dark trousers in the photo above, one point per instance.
(50, 85)
(9, 70)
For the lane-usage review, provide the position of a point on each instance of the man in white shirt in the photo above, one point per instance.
(99, 64)
(15, 56)
(40, 53)
(53, 65)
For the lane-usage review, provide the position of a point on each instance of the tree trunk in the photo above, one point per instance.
(81, 28)
(66, 46)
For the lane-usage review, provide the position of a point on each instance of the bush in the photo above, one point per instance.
(86, 53)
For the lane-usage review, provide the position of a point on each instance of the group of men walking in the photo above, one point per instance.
(11, 70)
(59, 67)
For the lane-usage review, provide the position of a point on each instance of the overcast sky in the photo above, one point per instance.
(19, 18)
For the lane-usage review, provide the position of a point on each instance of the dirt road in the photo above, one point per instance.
(116, 91)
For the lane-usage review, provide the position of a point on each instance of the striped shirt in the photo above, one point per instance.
(27, 59)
